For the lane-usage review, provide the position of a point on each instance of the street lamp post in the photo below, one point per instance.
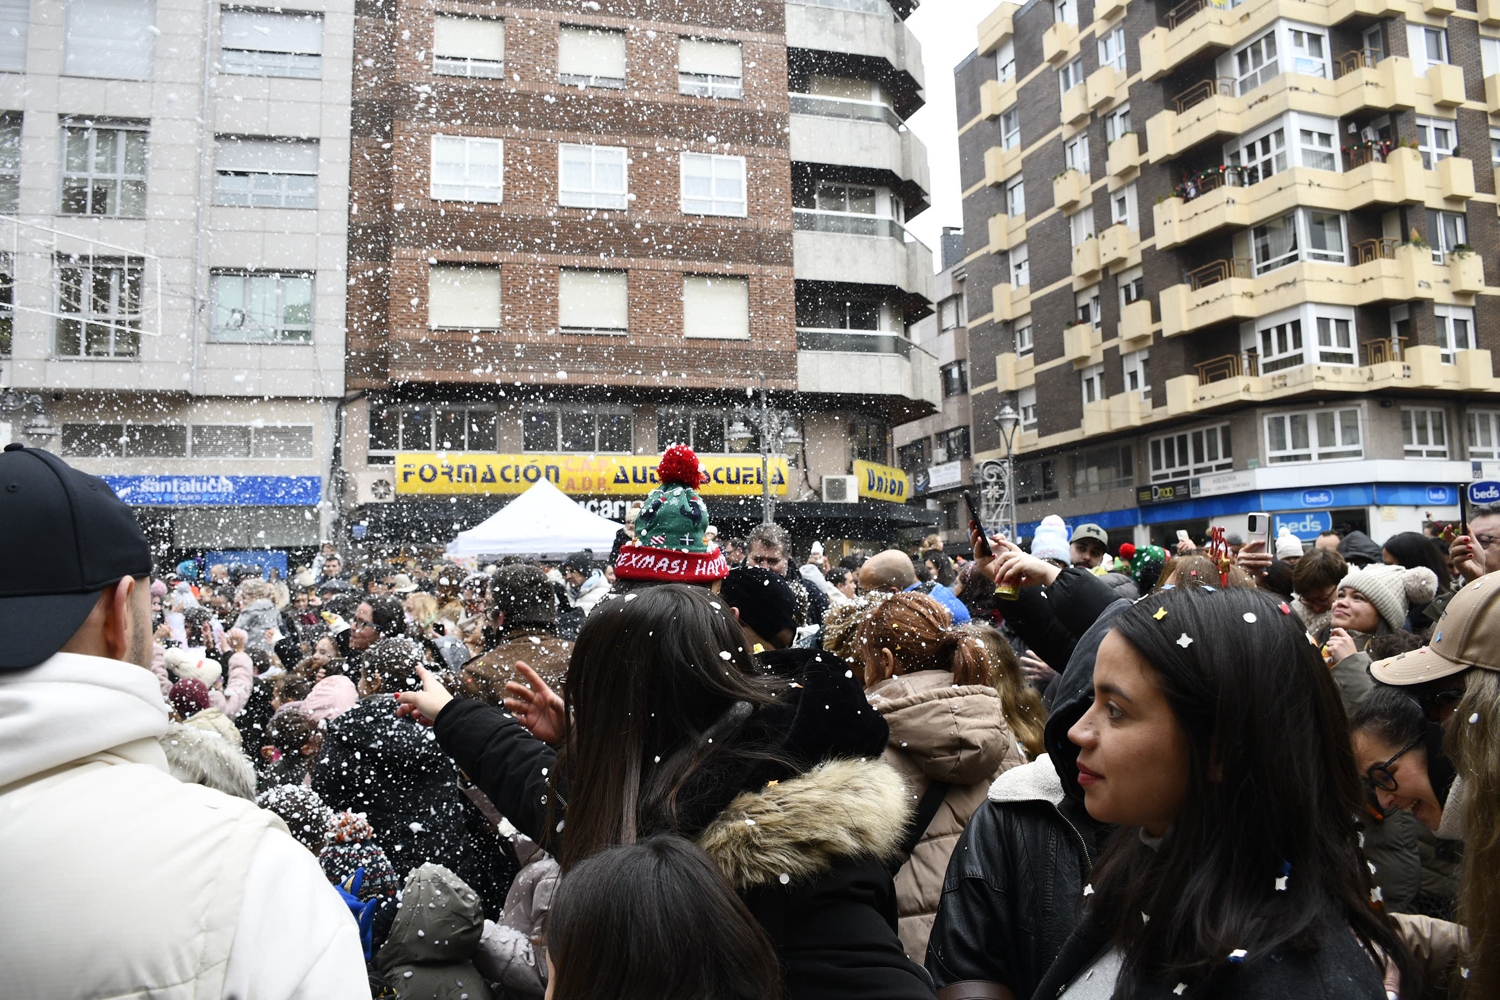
(773, 426)
(1007, 421)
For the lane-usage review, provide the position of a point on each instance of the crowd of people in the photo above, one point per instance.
(704, 768)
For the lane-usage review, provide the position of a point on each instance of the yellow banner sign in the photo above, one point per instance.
(882, 482)
(458, 472)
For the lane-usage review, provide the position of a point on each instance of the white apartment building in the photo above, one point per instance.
(174, 180)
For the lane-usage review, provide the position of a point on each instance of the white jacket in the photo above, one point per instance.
(591, 592)
(124, 882)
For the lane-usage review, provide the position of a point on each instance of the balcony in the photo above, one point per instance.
(1105, 86)
(1000, 165)
(1492, 88)
(1384, 271)
(1068, 189)
(1119, 248)
(1127, 410)
(997, 27)
(1075, 105)
(1135, 326)
(1124, 161)
(873, 32)
(848, 362)
(1439, 8)
(835, 246)
(1010, 301)
(1455, 175)
(1015, 371)
(1086, 265)
(1447, 84)
(1489, 12)
(1006, 231)
(996, 97)
(1059, 42)
(860, 134)
(1106, 9)
(1082, 344)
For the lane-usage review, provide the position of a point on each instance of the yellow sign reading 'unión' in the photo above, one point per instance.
(456, 472)
(882, 482)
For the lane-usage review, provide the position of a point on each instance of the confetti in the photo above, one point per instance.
(725, 654)
(1376, 896)
(1145, 917)
(785, 878)
(1438, 637)
(1088, 890)
(1184, 640)
(1238, 955)
(1286, 608)
(1180, 989)
(1473, 718)
(1281, 884)
(1160, 614)
(1250, 617)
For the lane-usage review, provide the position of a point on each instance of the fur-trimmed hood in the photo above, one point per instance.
(797, 828)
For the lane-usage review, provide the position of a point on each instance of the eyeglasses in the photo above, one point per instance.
(1487, 540)
(1381, 773)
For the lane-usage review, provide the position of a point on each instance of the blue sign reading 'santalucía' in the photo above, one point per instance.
(217, 491)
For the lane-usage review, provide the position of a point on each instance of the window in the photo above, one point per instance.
(1071, 75)
(1092, 380)
(468, 46)
(10, 157)
(463, 297)
(1112, 49)
(1026, 403)
(1309, 55)
(1312, 334)
(955, 379)
(1256, 63)
(1455, 330)
(952, 444)
(1374, 40)
(1281, 346)
(713, 184)
(1010, 129)
(1122, 207)
(710, 69)
(591, 57)
(591, 176)
(835, 310)
(1261, 157)
(1081, 226)
(1117, 123)
(467, 168)
(1137, 368)
(109, 38)
(1065, 11)
(241, 441)
(124, 440)
(431, 427)
(914, 456)
(262, 308)
(7, 304)
(1005, 61)
(1317, 148)
(1426, 46)
(951, 312)
(104, 170)
(1101, 469)
(1132, 285)
(1318, 436)
(1495, 145)
(262, 43)
(1484, 434)
(1023, 339)
(571, 430)
(1436, 139)
(1191, 453)
(716, 307)
(593, 301)
(1020, 265)
(867, 440)
(1447, 231)
(1282, 241)
(701, 430)
(15, 18)
(1489, 55)
(265, 173)
(1087, 307)
(1015, 197)
(1036, 481)
(1287, 47)
(1076, 153)
(1335, 340)
(1293, 139)
(99, 307)
(1423, 433)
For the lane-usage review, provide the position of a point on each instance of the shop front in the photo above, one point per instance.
(186, 516)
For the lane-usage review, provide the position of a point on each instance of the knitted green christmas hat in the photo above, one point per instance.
(669, 541)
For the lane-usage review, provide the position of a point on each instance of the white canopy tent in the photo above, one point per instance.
(543, 520)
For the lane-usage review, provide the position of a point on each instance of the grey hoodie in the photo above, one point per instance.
(429, 953)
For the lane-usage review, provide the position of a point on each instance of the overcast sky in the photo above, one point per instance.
(947, 31)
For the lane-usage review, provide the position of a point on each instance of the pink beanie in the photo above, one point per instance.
(330, 698)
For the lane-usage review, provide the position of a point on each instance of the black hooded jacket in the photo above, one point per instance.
(1014, 889)
(1051, 619)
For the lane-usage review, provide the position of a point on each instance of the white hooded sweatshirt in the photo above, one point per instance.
(124, 882)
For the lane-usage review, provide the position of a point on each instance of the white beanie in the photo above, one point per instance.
(1051, 540)
(184, 666)
(1288, 545)
(1392, 589)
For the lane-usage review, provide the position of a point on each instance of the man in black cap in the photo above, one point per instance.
(95, 831)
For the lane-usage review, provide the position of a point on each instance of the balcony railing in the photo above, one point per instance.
(1219, 270)
(1358, 59)
(1377, 249)
(1202, 91)
(839, 107)
(1378, 352)
(848, 223)
(1228, 366)
(855, 341)
(1184, 11)
(1370, 151)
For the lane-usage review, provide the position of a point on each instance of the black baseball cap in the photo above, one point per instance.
(765, 600)
(67, 538)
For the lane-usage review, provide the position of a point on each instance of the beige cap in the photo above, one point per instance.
(1467, 635)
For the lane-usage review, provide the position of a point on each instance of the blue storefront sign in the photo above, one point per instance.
(1482, 493)
(1306, 525)
(265, 559)
(217, 491)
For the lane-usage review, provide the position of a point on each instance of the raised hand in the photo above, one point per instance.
(424, 705)
(537, 707)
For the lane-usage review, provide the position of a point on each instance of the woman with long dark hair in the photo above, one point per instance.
(1217, 743)
(666, 725)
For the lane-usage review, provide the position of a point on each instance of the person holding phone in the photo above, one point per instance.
(1478, 552)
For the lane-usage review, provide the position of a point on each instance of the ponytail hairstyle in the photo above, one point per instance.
(920, 635)
(1475, 749)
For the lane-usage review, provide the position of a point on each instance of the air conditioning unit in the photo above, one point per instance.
(374, 486)
(841, 489)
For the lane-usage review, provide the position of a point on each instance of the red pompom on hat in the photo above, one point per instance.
(680, 465)
(670, 531)
(1127, 551)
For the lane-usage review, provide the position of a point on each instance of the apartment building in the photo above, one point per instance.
(1226, 257)
(581, 234)
(173, 189)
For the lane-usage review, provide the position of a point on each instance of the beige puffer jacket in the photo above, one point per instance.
(940, 732)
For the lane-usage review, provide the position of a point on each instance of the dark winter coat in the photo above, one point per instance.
(1051, 619)
(1014, 889)
(429, 954)
(827, 816)
(394, 772)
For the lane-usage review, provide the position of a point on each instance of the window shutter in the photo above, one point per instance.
(709, 58)
(716, 307)
(586, 52)
(262, 31)
(273, 156)
(593, 300)
(15, 16)
(463, 298)
(469, 38)
(109, 38)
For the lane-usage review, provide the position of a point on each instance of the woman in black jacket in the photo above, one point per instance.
(668, 726)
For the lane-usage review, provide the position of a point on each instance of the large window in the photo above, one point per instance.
(1424, 432)
(1036, 481)
(468, 46)
(463, 297)
(955, 379)
(1311, 334)
(104, 169)
(591, 176)
(1455, 330)
(430, 427)
(1256, 62)
(1484, 434)
(593, 301)
(867, 440)
(1304, 235)
(834, 309)
(1318, 436)
(1191, 453)
(915, 456)
(1287, 47)
(715, 307)
(713, 184)
(10, 158)
(242, 441)
(93, 440)
(1100, 469)
(1447, 231)
(1112, 48)
(262, 308)
(98, 307)
(1291, 140)
(589, 431)
(264, 43)
(1026, 404)
(1426, 46)
(15, 24)
(265, 173)
(701, 430)
(467, 168)
(1436, 139)
(710, 69)
(109, 38)
(952, 444)
(951, 312)
(591, 57)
